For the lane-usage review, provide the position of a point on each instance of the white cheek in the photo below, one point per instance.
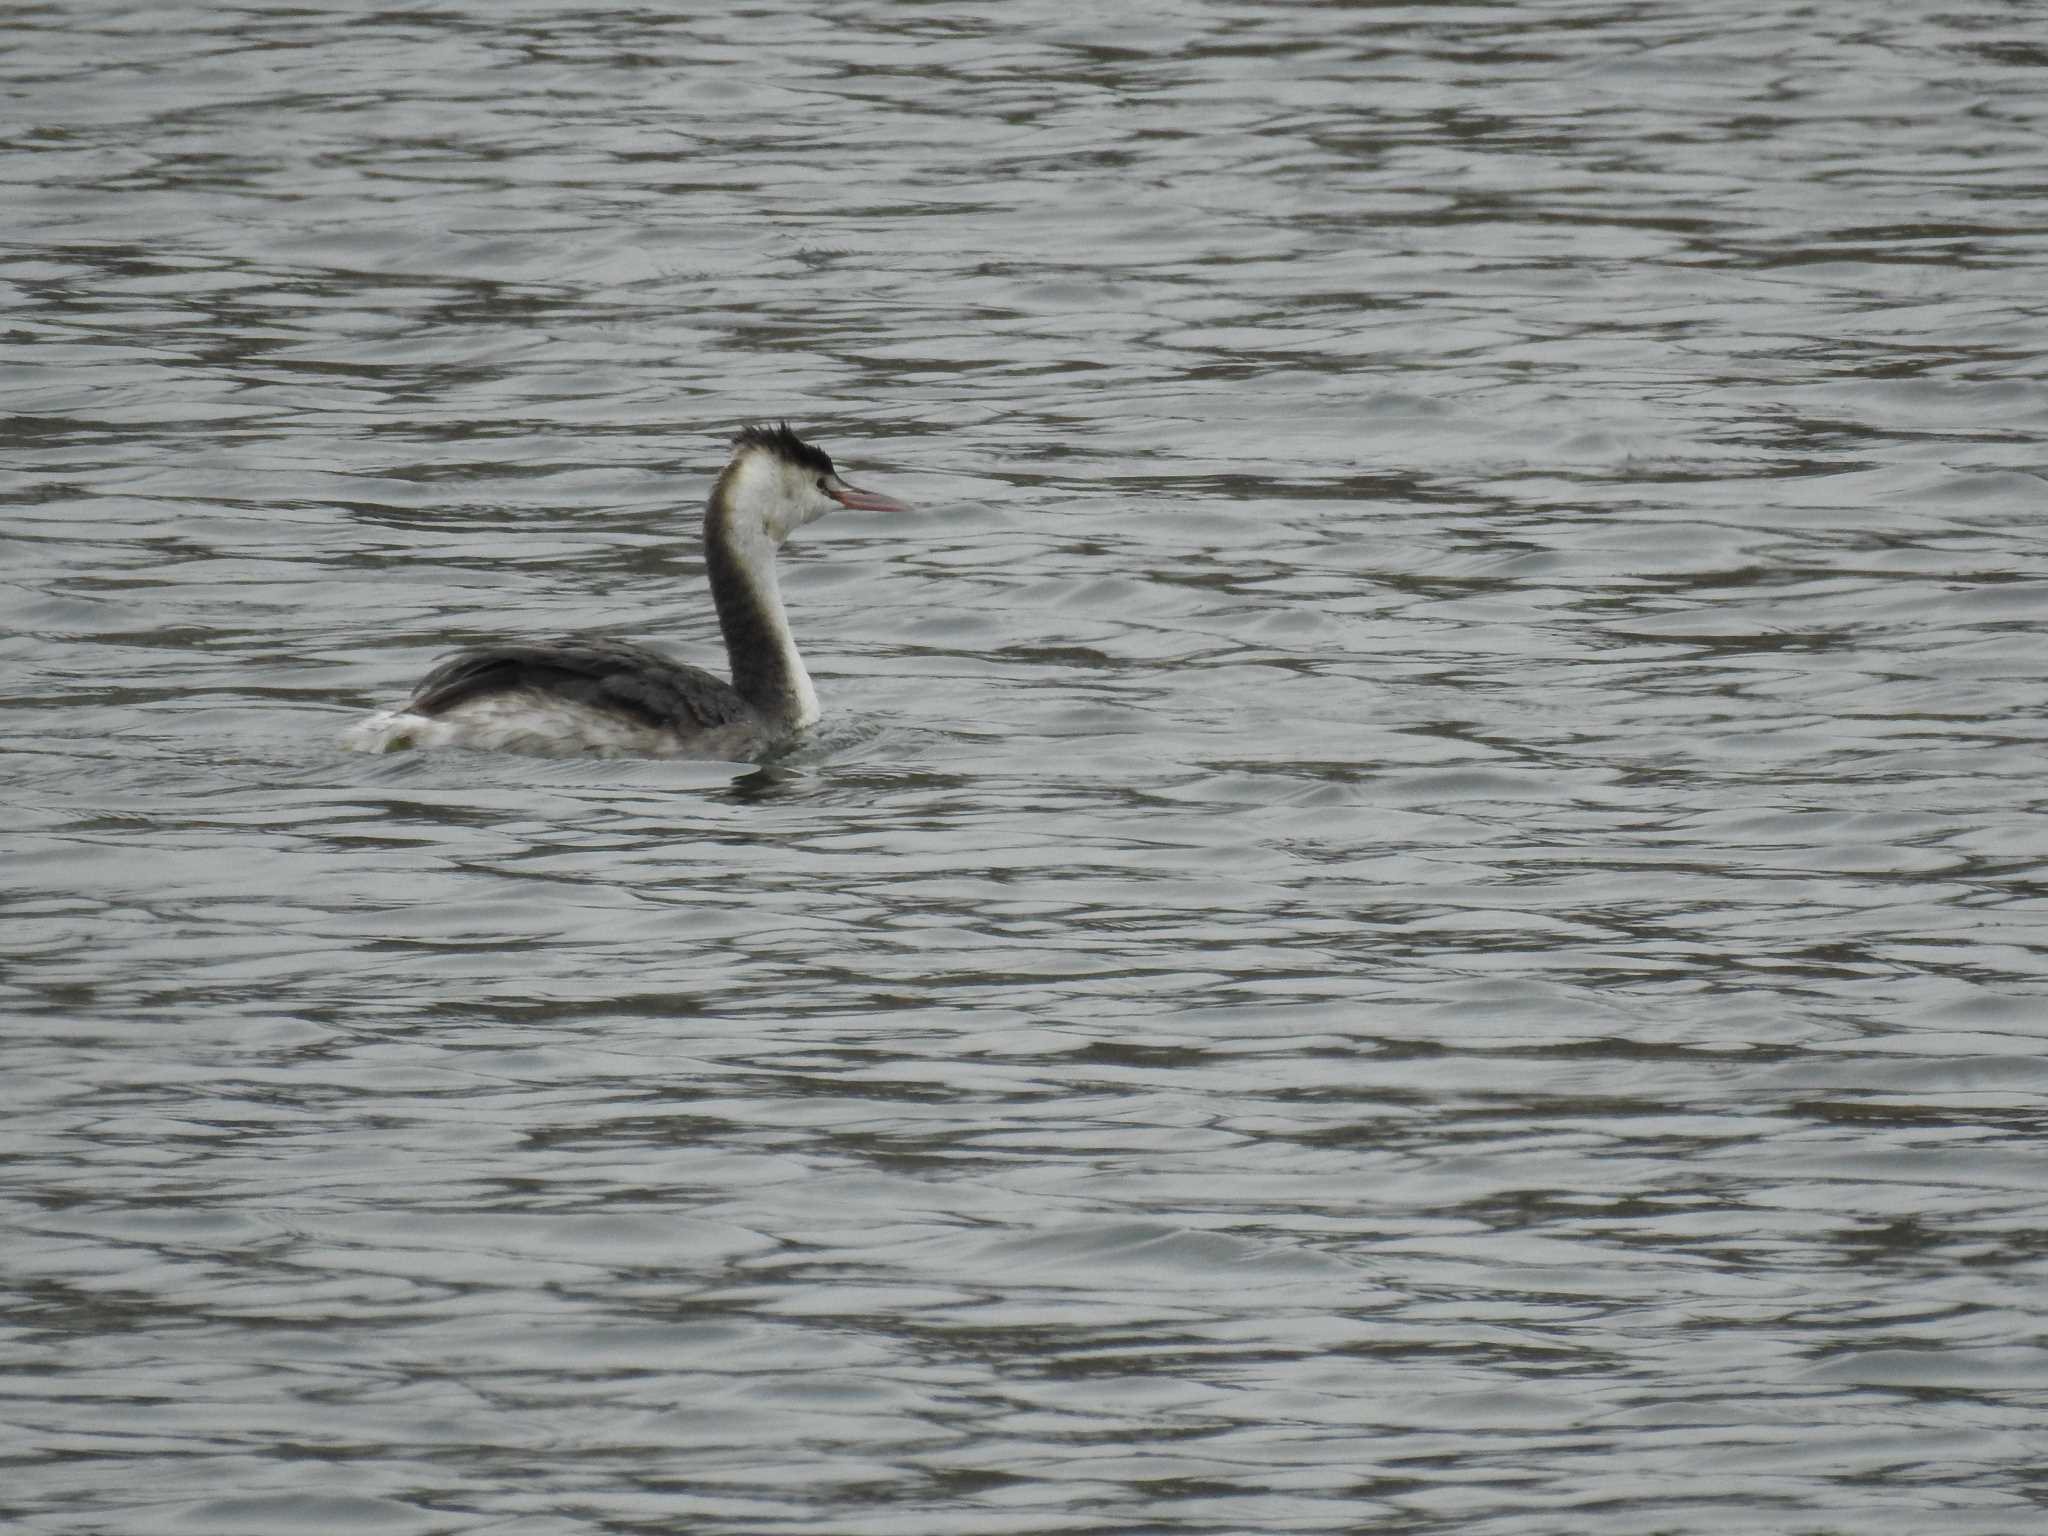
(798, 511)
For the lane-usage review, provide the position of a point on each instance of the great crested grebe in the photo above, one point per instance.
(612, 696)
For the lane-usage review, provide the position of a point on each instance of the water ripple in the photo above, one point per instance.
(1420, 903)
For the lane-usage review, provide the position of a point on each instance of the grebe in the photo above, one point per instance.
(612, 696)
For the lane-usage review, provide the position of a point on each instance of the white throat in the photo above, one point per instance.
(756, 508)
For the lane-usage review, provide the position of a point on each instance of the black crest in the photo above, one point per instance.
(779, 440)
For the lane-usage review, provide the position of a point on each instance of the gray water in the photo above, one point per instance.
(1420, 905)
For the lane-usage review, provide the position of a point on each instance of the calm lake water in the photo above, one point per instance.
(1420, 907)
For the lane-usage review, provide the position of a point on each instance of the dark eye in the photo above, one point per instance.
(821, 482)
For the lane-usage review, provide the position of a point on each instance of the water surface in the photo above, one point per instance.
(1420, 905)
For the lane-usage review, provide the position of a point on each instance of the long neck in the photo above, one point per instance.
(739, 559)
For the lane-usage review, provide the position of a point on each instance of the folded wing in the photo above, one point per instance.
(636, 682)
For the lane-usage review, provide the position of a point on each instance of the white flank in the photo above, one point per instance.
(535, 722)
